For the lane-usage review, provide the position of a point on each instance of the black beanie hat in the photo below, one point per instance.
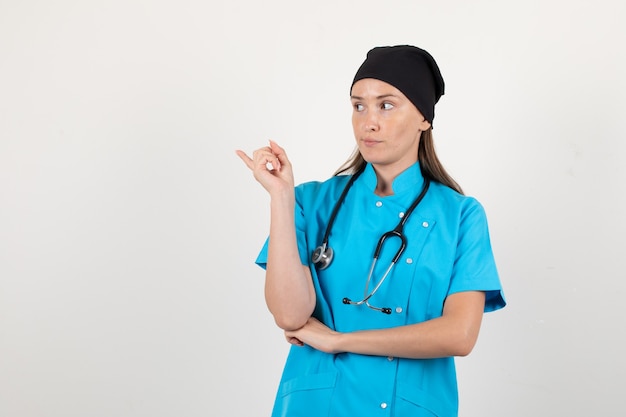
(408, 68)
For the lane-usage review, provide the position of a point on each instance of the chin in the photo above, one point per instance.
(376, 162)
(369, 157)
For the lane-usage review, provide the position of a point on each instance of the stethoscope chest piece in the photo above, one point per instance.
(322, 256)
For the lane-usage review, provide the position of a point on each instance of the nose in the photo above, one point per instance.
(371, 122)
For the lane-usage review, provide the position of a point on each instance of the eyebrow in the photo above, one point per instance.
(377, 98)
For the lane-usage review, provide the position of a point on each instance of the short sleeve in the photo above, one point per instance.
(474, 266)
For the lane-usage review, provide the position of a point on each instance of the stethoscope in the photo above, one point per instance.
(323, 254)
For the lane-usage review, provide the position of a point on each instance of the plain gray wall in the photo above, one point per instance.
(128, 227)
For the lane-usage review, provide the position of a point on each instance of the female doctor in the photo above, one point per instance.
(380, 275)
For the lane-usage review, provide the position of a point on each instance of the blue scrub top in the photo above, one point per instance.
(448, 251)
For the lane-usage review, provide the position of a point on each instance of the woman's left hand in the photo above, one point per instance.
(315, 334)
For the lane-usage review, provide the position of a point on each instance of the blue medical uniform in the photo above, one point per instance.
(448, 251)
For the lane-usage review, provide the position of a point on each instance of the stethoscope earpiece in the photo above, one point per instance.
(322, 256)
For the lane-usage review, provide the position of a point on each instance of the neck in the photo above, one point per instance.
(383, 190)
(385, 175)
(385, 178)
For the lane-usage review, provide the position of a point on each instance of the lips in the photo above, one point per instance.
(370, 141)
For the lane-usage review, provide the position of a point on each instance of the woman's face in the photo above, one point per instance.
(387, 126)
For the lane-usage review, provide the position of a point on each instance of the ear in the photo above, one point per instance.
(424, 125)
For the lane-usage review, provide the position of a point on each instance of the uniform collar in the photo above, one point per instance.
(409, 180)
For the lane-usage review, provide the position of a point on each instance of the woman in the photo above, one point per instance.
(388, 350)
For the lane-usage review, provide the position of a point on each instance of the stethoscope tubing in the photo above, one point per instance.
(340, 201)
(323, 254)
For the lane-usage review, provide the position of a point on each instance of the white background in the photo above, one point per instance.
(128, 227)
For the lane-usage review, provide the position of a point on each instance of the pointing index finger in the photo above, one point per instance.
(245, 158)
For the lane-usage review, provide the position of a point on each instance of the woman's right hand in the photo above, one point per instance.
(270, 167)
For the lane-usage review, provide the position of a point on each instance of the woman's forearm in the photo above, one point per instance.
(432, 339)
(289, 291)
(453, 334)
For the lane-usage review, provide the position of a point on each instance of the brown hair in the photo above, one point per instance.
(429, 163)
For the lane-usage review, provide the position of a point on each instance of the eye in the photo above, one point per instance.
(386, 106)
(358, 107)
